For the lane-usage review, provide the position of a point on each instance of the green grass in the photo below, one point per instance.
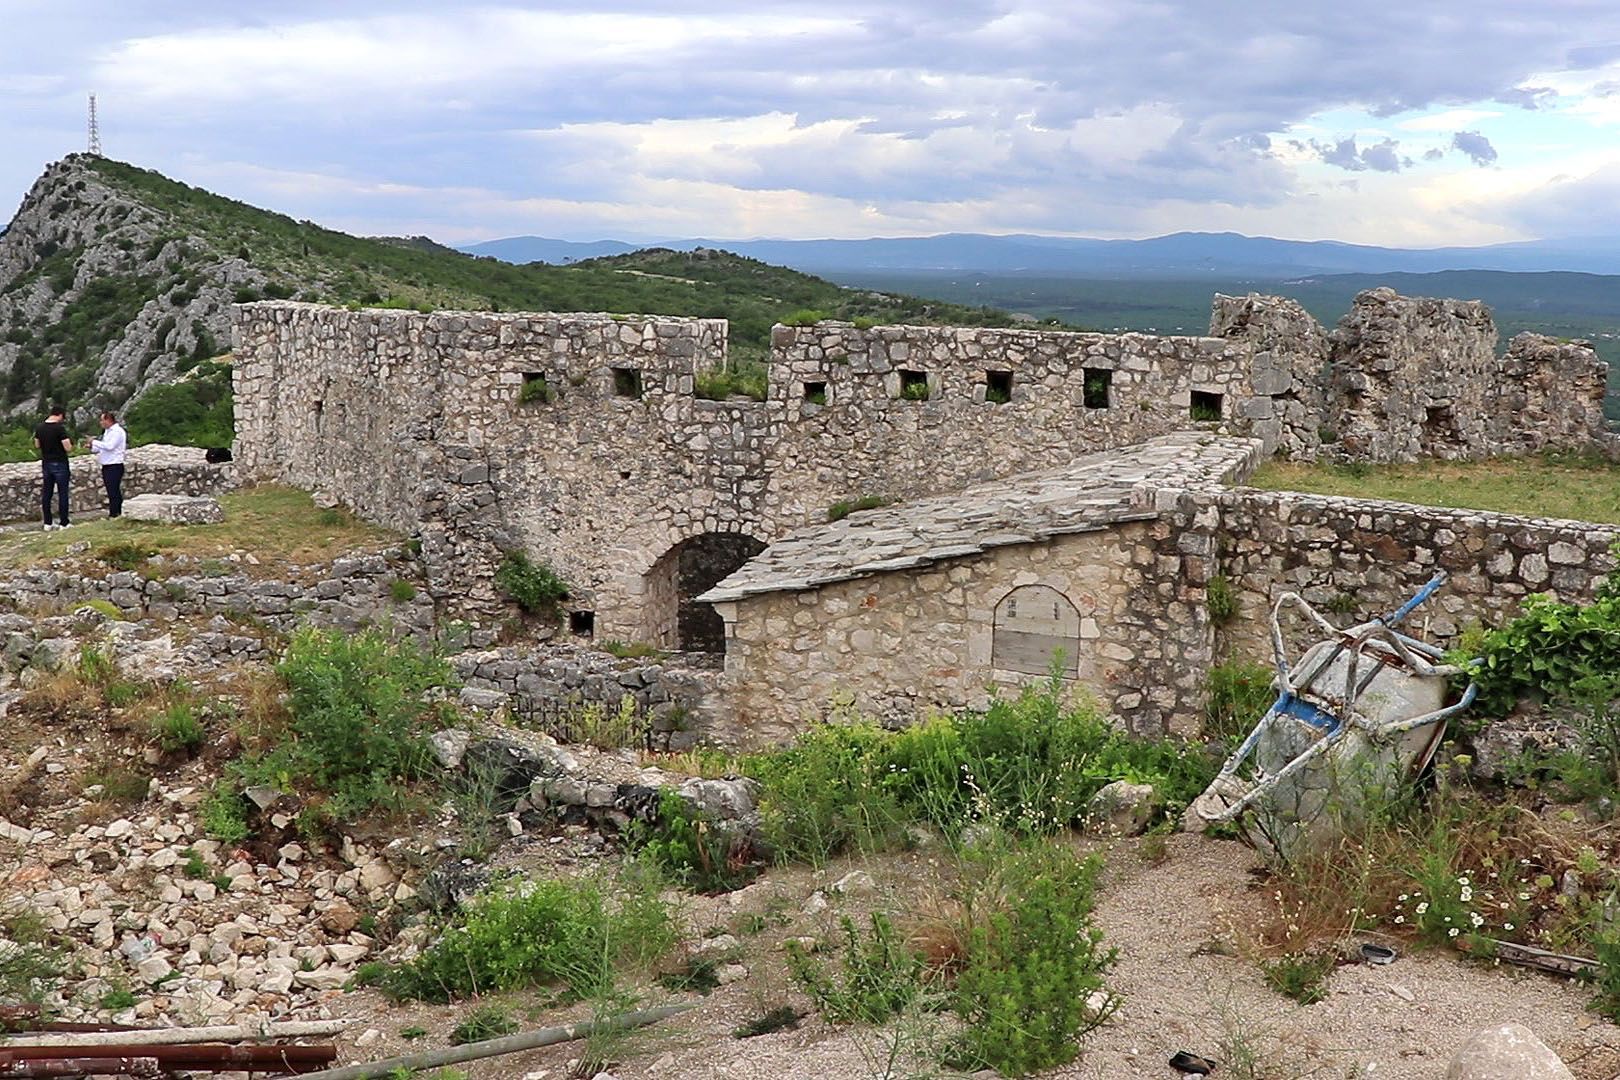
(279, 526)
(1549, 485)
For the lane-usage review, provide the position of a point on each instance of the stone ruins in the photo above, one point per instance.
(1037, 492)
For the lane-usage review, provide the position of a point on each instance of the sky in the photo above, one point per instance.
(1415, 124)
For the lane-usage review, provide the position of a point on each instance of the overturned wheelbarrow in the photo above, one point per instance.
(1359, 715)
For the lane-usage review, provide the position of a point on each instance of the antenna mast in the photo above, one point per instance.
(95, 129)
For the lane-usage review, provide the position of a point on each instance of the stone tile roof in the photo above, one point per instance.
(1090, 493)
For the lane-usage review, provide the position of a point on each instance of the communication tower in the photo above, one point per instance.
(95, 129)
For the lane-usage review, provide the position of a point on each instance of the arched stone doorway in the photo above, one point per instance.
(674, 619)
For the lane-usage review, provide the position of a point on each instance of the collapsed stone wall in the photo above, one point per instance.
(548, 688)
(1415, 377)
(154, 469)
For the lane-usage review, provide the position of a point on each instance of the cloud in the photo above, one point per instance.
(1381, 156)
(878, 113)
(1475, 146)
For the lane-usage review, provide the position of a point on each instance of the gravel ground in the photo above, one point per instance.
(1400, 1022)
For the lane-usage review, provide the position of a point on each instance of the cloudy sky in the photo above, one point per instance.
(1419, 123)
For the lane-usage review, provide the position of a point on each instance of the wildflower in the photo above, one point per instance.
(1524, 896)
(1401, 898)
(1452, 932)
(1421, 908)
(1477, 919)
(1507, 926)
(1463, 880)
(1466, 895)
(1400, 918)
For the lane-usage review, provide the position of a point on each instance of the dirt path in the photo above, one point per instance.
(1400, 1022)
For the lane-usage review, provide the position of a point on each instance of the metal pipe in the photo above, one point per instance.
(510, 1044)
(286, 1056)
(286, 1029)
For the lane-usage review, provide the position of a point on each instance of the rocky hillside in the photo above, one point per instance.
(115, 279)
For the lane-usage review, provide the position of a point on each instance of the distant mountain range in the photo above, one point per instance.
(1186, 255)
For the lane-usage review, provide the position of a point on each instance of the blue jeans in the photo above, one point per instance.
(56, 475)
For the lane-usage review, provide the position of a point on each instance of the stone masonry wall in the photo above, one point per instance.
(1367, 557)
(174, 470)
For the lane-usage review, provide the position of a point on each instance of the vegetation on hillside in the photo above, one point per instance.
(300, 260)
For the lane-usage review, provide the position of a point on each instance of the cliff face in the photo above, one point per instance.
(103, 294)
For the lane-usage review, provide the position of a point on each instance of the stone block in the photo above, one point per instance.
(1508, 1052)
(174, 509)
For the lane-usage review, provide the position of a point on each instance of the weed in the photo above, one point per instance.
(697, 975)
(635, 650)
(329, 517)
(402, 591)
(778, 1018)
(878, 975)
(195, 868)
(119, 783)
(534, 587)
(737, 379)
(118, 998)
(804, 317)
(30, 964)
(1239, 693)
(1024, 1003)
(223, 815)
(915, 391)
(125, 555)
(413, 1032)
(626, 727)
(478, 800)
(1221, 600)
(177, 728)
(1301, 976)
(840, 510)
(539, 933)
(536, 388)
(484, 1022)
(95, 666)
(692, 850)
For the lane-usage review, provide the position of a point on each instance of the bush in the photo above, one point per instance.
(1554, 651)
(534, 587)
(878, 974)
(1032, 963)
(540, 933)
(1301, 976)
(692, 850)
(804, 317)
(828, 792)
(360, 723)
(402, 591)
(224, 815)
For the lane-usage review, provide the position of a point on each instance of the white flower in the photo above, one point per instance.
(1421, 908)
(1477, 919)
(1452, 932)
(1400, 918)
(1462, 880)
(1402, 898)
(1507, 926)
(1466, 895)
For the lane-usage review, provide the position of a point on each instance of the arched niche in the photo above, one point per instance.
(1034, 623)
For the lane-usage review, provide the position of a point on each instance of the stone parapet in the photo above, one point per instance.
(154, 469)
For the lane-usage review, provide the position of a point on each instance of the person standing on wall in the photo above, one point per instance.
(52, 439)
(110, 453)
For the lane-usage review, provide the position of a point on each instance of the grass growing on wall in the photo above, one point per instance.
(1557, 485)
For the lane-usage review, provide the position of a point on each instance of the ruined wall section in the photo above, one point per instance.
(1411, 377)
(1289, 369)
(1550, 397)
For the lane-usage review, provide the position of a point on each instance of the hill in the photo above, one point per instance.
(1176, 256)
(116, 282)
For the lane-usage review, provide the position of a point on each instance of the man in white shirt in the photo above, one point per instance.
(110, 453)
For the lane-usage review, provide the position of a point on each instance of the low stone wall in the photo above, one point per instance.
(350, 593)
(1358, 558)
(547, 687)
(155, 469)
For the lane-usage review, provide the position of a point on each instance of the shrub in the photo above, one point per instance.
(540, 933)
(1220, 600)
(534, 587)
(742, 379)
(1032, 963)
(95, 666)
(635, 650)
(535, 389)
(627, 727)
(224, 815)
(30, 963)
(359, 720)
(804, 317)
(828, 792)
(1606, 948)
(878, 974)
(693, 850)
(402, 591)
(1552, 651)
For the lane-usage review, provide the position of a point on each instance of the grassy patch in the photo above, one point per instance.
(484, 1022)
(533, 586)
(278, 526)
(1548, 485)
(840, 510)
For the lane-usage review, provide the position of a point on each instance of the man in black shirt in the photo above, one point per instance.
(52, 439)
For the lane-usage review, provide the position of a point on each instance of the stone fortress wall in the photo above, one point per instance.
(578, 438)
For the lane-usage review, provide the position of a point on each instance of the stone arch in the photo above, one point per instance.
(672, 617)
(1032, 623)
